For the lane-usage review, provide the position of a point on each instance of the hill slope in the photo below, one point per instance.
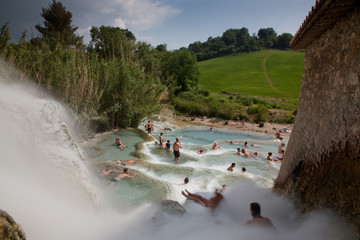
(268, 73)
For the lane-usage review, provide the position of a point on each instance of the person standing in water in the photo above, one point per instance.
(149, 127)
(161, 140)
(176, 146)
(168, 145)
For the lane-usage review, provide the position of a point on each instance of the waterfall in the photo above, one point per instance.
(45, 184)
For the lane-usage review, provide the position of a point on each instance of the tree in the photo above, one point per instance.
(229, 37)
(267, 37)
(4, 36)
(181, 67)
(161, 47)
(112, 42)
(283, 41)
(57, 26)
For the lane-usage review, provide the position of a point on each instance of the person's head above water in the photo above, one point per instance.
(255, 209)
(186, 180)
(126, 170)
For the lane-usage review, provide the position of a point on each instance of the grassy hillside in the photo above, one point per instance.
(268, 73)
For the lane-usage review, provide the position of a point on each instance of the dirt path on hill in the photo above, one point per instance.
(265, 72)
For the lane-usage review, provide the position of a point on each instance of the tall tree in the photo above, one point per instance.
(181, 67)
(4, 36)
(267, 37)
(112, 42)
(57, 26)
(283, 41)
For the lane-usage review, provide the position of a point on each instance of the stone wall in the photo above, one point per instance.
(326, 134)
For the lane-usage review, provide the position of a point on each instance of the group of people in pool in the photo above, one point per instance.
(240, 151)
(213, 202)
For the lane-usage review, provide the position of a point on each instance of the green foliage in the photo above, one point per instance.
(244, 116)
(57, 26)
(260, 113)
(244, 74)
(112, 42)
(180, 67)
(285, 118)
(4, 36)
(196, 104)
(283, 41)
(234, 41)
(102, 92)
(267, 37)
(187, 95)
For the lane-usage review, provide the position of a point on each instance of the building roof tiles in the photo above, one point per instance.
(323, 16)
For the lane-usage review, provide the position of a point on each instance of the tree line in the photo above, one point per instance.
(115, 81)
(238, 41)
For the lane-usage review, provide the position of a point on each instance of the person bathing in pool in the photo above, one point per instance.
(127, 162)
(123, 175)
(176, 146)
(119, 144)
(211, 203)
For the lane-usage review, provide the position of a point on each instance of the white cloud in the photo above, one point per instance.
(107, 10)
(120, 23)
(82, 31)
(143, 14)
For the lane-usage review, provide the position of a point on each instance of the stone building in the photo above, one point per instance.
(321, 168)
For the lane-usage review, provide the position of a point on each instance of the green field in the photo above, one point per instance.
(245, 74)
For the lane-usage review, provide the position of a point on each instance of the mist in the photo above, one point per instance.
(47, 187)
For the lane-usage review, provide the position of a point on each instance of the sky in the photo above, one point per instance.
(176, 23)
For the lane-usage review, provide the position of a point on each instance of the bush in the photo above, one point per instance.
(260, 111)
(215, 120)
(244, 116)
(187, 95)
(203, 91)
(287, 118)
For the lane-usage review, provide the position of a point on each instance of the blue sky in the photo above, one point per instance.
(176, 23)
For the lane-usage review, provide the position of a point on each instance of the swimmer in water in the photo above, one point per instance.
(211, 203)
(231, 168)
(258, 220)
(128, 162)
(123, 175)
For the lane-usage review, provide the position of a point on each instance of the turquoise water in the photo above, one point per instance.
(107, 150)
(160, 177)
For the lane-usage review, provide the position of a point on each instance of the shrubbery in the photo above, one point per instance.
(254, 109)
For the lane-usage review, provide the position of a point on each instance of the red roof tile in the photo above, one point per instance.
(322, 17)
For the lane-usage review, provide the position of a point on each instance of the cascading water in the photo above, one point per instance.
(46, 186)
